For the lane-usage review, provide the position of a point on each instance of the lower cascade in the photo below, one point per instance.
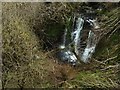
(83, 41)
(90, 48)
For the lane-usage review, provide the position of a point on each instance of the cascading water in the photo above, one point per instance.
(64, 40)
(65, 54)
(91, 42)
(89, 38)
(76, 35)
(89, 48)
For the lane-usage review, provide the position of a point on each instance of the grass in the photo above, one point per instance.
(95, 79)
(25, 65)
(19, 42)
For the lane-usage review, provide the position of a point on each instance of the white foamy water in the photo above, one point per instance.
(68, 56)
(93, 23)
(90, 48)
(64, 37)
(67, 53)
(87, 54)
(91, 42)
(77, 34)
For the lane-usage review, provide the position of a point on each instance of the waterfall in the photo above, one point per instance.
(93, 23)
(70, 53)
(91, 42)
(65, 54)
(64, 37)
(77, 34)
(89, 48)
(64, 40)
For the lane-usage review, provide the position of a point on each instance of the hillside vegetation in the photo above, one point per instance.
(31, 34)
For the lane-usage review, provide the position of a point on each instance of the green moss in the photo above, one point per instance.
(54, 30)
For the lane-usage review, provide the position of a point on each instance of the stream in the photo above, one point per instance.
(83, 40)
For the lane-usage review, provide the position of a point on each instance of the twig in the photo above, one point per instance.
(49, 52)
(113, 32)
(69, 84)
(110, 59)
(110, 66)
(108, 52)
(99, 61)
(111, 81)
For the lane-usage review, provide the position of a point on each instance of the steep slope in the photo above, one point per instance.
(31, 32)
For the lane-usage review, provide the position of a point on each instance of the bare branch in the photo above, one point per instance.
(110, 59)
(111, 66)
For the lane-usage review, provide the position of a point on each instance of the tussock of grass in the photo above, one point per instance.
(19, 43)
(93, 79)
(108, 46)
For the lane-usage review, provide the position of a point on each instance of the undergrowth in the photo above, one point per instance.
(29, 29)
